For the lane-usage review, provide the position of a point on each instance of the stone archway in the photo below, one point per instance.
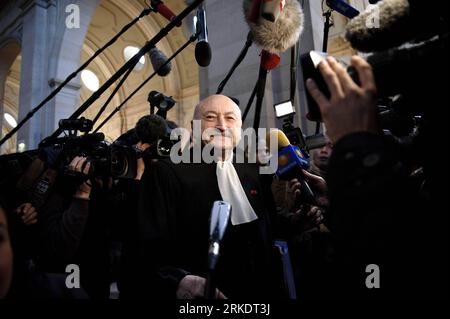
(9, 53)
(181, 83)
(66, 55)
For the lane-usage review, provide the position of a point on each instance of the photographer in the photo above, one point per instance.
(377, 215)
(36, 240)
(146, 133)
(65, 214)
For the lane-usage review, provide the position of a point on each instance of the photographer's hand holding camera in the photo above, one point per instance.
(79, 165)
(65, 214)
(351, 108)
(27, 213)
(375, 213)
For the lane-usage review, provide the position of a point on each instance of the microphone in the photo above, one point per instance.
(290, 160)
(254, 11)
(158, 58)
(269, 61)
(202, 48)
(275, 36)
(391, 23)
(162, 9)
(343, 8)
(271, 9)
(220, 215)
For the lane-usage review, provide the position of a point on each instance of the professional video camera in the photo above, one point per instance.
(410, 44)
(160, 101)
(115, 160)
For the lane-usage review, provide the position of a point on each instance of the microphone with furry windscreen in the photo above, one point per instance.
(158, 58)
(391, 23)
(277, 36)
(273, 36)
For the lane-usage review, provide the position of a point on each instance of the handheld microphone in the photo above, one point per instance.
(343, 8)
(158, 58)
(290, 160)
(220, 215)
(277, 36)
(162, 9)
(202, 48)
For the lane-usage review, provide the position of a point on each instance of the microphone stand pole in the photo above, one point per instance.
(131, 63)
(71, 76)
(192, 39)
(236, 63)
(110, 97)
(326, 31)
(250, 102)
(210, 287)
(261, 87)
(294, 58)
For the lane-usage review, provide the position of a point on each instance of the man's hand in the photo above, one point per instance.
(350, 108)
(78, 165)
(27, 213)
(140, 162)
(317, 184)
(308, 217)
(193, 287)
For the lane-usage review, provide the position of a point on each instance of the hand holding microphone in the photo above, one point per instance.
(193, 287)
(291, 162)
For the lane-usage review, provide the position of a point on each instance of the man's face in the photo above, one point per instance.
(322, 156)
(220, 122)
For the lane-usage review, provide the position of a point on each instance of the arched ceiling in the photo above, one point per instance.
(108, 20)
(11, 100)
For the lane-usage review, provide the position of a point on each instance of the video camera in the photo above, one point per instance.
(115, 160)
(161, 102)
(403, 75)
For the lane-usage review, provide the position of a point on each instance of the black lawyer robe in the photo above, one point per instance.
(174, 212)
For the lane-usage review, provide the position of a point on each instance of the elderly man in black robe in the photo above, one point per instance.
(175, 207)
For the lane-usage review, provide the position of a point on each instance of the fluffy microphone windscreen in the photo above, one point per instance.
(280, 35)
(380, 27)
(157, 58)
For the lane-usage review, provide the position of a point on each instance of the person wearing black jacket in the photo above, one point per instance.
(390, 235)
(147, 131)
(174, 211)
